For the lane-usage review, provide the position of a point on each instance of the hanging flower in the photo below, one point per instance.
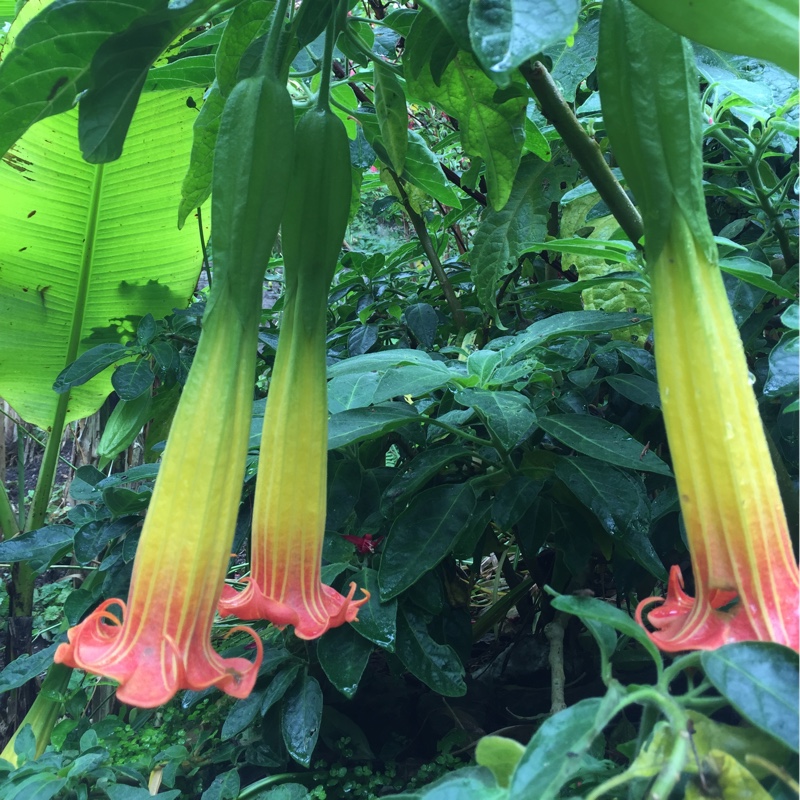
(285, 585)
(160, 640)
(745, 574)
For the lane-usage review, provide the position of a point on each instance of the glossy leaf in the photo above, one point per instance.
(619, 501)
(637, 389)
(783, 370)
(38, 547)
(436, 665)
(506, 33)
(422, 535)
(507, 414)
(25, 668)
(343, 655)
(377, 619)
(279, 685)
(552, 757)
(760, 680)
(301, 716)
(602, 440)
(357, 424)
(422, 321)
(616, 618)
(414, 474)
(241, 714)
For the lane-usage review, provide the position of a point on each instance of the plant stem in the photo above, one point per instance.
(8, 522)
(436, 265)
(584, 148)
(750, 166)
(327, 64)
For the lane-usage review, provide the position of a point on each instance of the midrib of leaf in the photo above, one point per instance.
(44, 483)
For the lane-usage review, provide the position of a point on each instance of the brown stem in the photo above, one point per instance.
(436, 265)
(584, 148)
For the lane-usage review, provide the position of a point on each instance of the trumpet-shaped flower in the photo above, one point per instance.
(161, 641)
(745, 573)
(285, 583)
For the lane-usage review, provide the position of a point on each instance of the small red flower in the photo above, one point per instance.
(364, 544)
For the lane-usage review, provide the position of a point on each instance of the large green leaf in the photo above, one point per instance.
(602, 440)
(423, 534)
(86, 251)
(491, 126)
(762, 28)
(502, 235)
(759, 679)
(505, 33)
(98, 49)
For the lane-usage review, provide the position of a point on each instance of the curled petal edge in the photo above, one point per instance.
(150, 673)
(252, 603)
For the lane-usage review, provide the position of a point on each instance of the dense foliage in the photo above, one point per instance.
(499, 478)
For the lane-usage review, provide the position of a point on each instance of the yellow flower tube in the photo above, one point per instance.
(744, 570)
(160, 641)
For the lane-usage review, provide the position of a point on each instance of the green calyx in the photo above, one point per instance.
(652, 114)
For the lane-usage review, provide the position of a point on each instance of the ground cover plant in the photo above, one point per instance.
(400, 400)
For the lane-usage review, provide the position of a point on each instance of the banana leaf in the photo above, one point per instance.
(86, 250)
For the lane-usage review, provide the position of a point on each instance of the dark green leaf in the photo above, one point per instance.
(26, 667)
(602, 440)
(343, 656)
(553, 756)
(619, 501)
(361, 339)
(224, 787)
(416, 473)
(506, 33)
(301, 717)
(377, 619)
(574, 61)
(423, 535)
(278, 685)
(637, 389)
(390, 107)
(422, 321)
(91, 363)
(38, 787)
(146, 329)
(605, 613)
(242, 713)
(357, 424)
(760, 680)
(507, 414)
(125, 501)
(436, 665)
(38, 547)
(514, 499)
(92, 538)
(783, 370)
(755, 273)
(119, 791)
(132, 379)
(344, 488)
